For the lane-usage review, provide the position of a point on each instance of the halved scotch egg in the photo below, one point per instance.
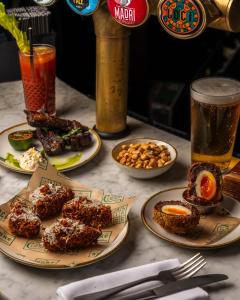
(204, 185)
(176, 216)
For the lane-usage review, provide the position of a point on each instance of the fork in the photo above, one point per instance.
(183, 271)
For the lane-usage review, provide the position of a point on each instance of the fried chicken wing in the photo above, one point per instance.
(67, 234)
(22, 221)
(48, 199)
(87, 211)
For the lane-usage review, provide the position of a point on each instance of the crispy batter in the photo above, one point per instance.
(179, 224)
(67, 234)
(22, 221)
(48, 199)
(87, 211)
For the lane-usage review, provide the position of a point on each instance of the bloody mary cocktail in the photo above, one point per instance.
(38, 76)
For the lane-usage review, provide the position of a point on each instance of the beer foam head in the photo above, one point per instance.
(216, 90)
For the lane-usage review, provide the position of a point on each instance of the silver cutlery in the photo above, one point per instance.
(183, 271)
(175, 287)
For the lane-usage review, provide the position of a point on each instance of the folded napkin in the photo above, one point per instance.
(106, 281)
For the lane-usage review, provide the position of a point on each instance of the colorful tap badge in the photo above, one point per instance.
(130, 13)
(83, 7)
(182, 18)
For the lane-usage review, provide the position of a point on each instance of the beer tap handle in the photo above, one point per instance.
(129, 13)
(83, 7)
(189, 18)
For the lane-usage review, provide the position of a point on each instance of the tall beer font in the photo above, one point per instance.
(183, 19)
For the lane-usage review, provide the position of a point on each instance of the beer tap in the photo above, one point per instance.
(183, 19)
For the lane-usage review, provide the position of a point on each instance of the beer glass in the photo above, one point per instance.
(215, 107)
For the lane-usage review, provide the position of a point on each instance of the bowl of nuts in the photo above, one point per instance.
(144, 158)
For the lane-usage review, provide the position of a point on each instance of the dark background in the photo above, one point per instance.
(161, 67)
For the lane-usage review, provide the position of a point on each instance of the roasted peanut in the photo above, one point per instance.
(123, 161)
(144, 157)
(165, 158)
(147, 155)
(153, 163)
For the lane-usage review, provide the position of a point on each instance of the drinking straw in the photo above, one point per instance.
(30, 44)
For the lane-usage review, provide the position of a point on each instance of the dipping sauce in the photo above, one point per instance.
(29, 160)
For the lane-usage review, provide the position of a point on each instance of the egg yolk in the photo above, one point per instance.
(176, 210)
(208, 188)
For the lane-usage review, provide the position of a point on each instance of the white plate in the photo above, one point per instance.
(87, 154)
(228, 203)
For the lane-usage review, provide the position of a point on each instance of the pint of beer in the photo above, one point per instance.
(215, 107)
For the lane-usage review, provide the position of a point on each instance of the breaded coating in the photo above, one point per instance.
(87, 211)
(22, 221)
(48, 199)
(67, 234)
(176, 223)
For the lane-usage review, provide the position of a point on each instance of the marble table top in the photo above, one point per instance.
(21, 282)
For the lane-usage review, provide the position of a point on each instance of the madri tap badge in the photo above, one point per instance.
(130, 13)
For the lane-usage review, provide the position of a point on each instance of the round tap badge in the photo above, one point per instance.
(83, 7)
(182, 18)
(130, 13)
(45, 2)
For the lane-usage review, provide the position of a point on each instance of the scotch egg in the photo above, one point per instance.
(204, 185)
(176, 216)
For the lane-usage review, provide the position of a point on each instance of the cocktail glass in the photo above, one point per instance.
(38, 73)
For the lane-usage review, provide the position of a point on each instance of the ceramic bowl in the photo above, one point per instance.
(144, 173)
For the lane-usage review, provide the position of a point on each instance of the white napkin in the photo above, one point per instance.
(106, 281)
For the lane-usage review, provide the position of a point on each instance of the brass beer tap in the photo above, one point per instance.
(183, 19)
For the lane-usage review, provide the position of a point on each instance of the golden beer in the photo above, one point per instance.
(215, 107)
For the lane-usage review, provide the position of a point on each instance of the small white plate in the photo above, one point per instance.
(85, 155)
(230, 204)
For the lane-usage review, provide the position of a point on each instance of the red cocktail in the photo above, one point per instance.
(38, 76)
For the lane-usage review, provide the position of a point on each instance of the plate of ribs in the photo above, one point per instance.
(66, 144)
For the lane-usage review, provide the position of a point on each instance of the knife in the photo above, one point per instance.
(175, 287)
